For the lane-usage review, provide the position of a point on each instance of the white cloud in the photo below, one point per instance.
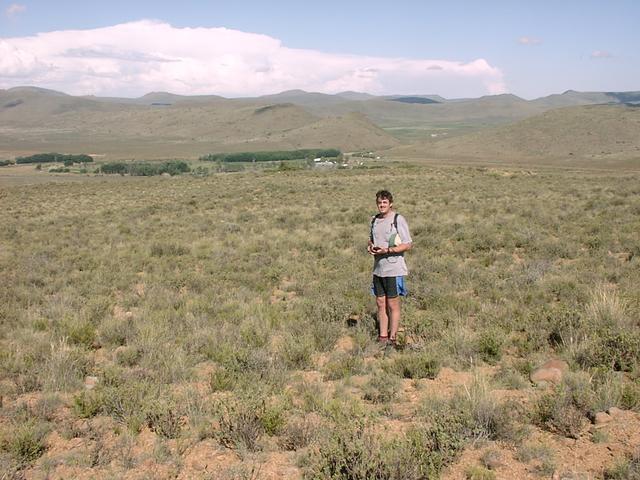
(138, 57)
(601, 54)
(14, 9)
(529, 41)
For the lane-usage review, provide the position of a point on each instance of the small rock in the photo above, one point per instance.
(542, 376)
(549, 372)
(602, 418)
(557, 364)
(615, 411)
(90, 382)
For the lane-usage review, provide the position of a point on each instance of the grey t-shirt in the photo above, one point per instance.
(390, 265)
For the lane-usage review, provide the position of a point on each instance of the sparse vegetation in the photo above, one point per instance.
(232, 313)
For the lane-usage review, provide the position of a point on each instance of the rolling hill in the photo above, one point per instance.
(38, 121)
(593, 135)
(162, 124)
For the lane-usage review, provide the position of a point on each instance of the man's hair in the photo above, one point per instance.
(384, 194)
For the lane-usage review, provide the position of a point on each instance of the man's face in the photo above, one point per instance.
(383, 205)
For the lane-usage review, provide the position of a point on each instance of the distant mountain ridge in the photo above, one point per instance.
(34, 119)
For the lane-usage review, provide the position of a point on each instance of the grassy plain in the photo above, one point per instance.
(226, 324)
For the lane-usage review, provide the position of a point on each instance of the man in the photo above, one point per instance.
(388, 240)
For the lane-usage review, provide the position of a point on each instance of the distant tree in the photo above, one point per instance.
(271, 156)
(55, 157)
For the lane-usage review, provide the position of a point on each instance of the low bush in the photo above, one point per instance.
(625, 469)
(88, 403)
(564, 410)
(480, 473)
(539, 453)
(343, 365)
(381, 388)
(351, 451)
(164, 419)
(415, 365)
(25, 441)
(298, 432)
(241, 424)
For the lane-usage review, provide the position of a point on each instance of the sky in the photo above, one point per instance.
(240, 48)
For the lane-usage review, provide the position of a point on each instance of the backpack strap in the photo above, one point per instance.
(373, 222)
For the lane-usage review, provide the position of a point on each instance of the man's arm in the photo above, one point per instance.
(403, 247)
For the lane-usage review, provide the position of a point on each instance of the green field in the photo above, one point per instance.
(226, 323)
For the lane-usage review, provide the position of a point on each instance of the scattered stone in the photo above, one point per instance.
(90, 382)
(550, 372)
(602, 418)
(615, 411)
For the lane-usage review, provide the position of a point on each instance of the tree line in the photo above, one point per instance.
(67, 159)
(271, 156)
(143, 169)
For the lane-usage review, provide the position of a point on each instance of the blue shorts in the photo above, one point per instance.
(389, 287)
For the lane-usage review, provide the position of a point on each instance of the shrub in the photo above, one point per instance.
(480, 473)
(127, 402)
(381, 388)
(25, 441)
(415, 365)
(298, 433)
(564, 410)
(350, 451)
(490, 345)
(625, 469)
(343, 365)
(164, 419)
(272, 418)
(222, 380)
(296, 351)
(241, 424)
(487, 418)
(128, 356)
(87, 403)
(66, 367)
(537, 452)
(610, 347)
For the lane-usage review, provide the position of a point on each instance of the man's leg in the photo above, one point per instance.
(394, 315)
(383, 319)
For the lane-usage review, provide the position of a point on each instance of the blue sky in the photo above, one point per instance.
(454, 48)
